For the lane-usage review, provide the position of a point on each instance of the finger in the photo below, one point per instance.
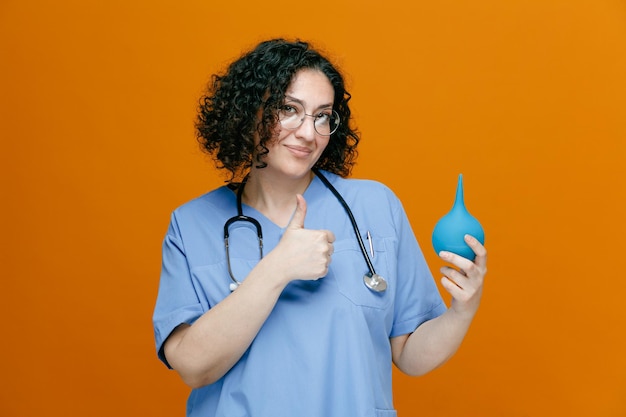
(479, 250)
(452, 287)
(454, 276)
(459, 261)
(448, 271)
(467, 273)
(297, 220)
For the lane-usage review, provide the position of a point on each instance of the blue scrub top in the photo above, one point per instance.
(324, 350)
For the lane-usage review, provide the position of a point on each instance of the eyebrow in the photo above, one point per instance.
(297, 100)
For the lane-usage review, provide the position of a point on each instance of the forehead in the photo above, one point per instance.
(311, 86)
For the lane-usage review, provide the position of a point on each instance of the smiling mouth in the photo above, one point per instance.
(299, 150)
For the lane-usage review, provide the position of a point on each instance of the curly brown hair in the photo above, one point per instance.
(228, 113)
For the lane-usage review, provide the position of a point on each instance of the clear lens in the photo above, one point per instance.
(291, 117)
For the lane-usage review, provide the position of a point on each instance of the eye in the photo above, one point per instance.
(323, 117)
(288, 109)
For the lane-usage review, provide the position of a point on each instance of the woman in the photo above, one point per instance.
(285, 325)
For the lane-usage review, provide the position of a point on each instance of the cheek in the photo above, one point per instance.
(322, 143)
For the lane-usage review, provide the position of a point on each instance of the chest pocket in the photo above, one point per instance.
(348, 268)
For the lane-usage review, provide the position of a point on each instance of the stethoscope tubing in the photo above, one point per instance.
(372, 280)
(355, 227)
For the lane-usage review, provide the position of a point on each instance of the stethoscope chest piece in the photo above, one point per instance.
(375, 282)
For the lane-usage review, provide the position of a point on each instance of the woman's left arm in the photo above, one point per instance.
(436, 340)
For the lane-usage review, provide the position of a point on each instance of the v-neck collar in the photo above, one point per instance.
(312, 189)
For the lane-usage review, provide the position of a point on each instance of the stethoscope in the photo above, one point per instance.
(371, 279)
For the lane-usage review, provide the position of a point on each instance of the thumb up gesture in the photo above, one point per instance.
(305, 253)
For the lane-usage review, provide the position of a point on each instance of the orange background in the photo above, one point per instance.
(527, 98)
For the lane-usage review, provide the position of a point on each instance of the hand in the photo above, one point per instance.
(465, 284)
(306, 254)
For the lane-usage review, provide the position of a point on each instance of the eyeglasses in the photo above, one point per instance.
(291, 116)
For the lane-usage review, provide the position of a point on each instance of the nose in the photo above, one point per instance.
(307, 130)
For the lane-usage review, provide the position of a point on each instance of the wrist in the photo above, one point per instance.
(272, 275)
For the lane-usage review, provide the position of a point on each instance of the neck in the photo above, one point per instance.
(274, 197)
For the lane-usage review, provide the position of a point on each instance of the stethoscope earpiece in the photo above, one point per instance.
(233, 286)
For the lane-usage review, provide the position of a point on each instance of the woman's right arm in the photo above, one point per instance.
(204, 351)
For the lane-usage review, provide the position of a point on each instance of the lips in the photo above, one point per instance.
(299, 151)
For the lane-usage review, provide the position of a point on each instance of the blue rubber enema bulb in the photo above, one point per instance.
(450, 230)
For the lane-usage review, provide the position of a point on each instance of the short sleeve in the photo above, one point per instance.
(417, 297)
(177, 301)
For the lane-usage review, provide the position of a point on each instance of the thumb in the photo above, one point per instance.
(297, 220)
